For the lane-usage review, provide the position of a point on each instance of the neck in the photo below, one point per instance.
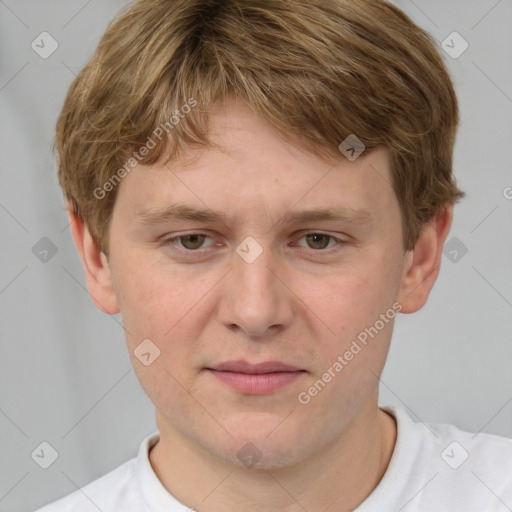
(338, 478)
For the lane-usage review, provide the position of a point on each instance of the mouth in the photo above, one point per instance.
(256, 379)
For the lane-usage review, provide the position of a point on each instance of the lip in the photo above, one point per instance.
(241, 366)
(256, 379)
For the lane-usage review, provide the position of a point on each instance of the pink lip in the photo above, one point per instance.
(242, 366)
(256, 379)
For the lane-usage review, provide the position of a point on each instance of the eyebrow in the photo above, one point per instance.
(155, 216)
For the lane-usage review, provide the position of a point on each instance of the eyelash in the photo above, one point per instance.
(171, 243)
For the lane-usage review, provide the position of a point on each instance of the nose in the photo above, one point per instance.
(255, 297)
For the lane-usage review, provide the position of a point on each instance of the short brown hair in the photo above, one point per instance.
(318, 70)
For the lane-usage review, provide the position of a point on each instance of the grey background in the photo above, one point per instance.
(65, 375)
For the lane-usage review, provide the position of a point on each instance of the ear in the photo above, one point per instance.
(422, 263)
(96, 266)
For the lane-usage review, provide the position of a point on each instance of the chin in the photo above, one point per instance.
(264, 455)
(261, 448)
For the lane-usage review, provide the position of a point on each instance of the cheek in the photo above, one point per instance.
(353, 297)
(348, 309)
(155, 299)
(351, 358)
(168, 308)
(159, 307)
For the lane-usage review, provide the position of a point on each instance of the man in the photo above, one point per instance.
(259, 188)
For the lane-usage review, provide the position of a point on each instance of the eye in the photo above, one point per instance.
(193, 242)
(190, 242)
(320, 241)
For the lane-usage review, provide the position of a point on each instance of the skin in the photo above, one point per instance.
(296, 303)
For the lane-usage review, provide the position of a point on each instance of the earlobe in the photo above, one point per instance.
(422, 264)
(96, 266)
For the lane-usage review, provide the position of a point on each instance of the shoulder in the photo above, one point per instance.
(453, 442)
(482, 450)
(102, 493)
(450, 468)
(485, 459)
(120, 489)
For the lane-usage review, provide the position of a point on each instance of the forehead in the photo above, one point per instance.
(253, 170)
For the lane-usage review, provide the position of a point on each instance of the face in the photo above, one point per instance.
(258, 285)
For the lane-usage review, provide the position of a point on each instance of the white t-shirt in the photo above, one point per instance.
(434, 468)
